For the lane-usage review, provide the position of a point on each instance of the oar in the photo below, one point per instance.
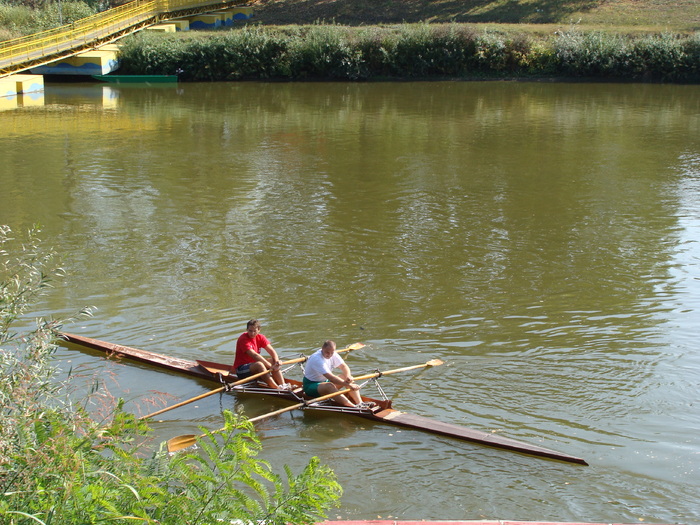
(355, 346)
(180, 442)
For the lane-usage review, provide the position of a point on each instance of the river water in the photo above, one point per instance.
(540, 238)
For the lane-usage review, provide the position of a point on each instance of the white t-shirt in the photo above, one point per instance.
(317, 365)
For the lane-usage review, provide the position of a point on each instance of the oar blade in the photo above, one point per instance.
(180, 442)
(435, 362)
(354, 346)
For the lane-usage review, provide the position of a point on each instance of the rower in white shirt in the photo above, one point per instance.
(320, 380)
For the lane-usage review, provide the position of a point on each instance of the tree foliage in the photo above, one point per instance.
(59, 464)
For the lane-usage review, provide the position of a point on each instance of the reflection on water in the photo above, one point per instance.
(540, 239)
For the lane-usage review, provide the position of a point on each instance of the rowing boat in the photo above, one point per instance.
(382, 413)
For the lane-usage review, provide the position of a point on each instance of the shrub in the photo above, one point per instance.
(409, 52)
(373, 46)
(153, 54)
(324, 51)
(691, 52)
(255, 53)
(656, 57)
(541, 59)
(590, 54)
(491, 53)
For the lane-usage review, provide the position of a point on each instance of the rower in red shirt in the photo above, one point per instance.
(249, 361)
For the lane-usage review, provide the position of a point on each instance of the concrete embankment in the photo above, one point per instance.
(448, 522)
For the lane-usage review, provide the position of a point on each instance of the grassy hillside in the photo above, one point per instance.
(625, 15)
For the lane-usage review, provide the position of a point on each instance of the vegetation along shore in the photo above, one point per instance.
(428, 39)
(412, 51)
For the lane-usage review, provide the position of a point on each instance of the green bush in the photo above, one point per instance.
(491, 53)
(149, 54)
(409, 51)
(691, 52)
(590, 54)
(325, 52)
(656, 57)
(541, 59)
(16, 17)
(661, 57)
(69, 12)
(59, 463)
(256, 54)
(373, 45)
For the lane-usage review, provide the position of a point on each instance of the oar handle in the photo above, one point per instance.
(432, 362)
(354, 346)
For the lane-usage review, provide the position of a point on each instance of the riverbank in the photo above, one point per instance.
(411, 51)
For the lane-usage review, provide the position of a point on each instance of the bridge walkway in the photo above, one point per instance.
(43, 48)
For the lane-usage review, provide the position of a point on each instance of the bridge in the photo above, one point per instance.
(32, 51)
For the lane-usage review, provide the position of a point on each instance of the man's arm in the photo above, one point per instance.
(273, 357)
(339, 381)
(257, 357)
(346, 372)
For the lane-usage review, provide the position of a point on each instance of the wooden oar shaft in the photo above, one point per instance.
(299, 405)
(183, 403)
(180, 442)
(217, 390)
(301, 359)
(433, 362)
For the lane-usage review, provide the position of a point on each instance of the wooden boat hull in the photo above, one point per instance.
(217, 373)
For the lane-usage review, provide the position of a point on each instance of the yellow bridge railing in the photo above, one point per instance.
(40, 48)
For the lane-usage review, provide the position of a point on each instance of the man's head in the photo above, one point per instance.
(328, 349)
(253, 327)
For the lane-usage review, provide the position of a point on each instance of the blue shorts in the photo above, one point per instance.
(243, 371)
(311, 387)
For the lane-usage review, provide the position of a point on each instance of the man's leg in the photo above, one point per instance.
(256, 368)
(354, 395)
(329, 388)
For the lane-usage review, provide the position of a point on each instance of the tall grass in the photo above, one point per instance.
(411, 51)
(19, 20)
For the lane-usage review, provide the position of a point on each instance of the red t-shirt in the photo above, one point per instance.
(246, 342)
